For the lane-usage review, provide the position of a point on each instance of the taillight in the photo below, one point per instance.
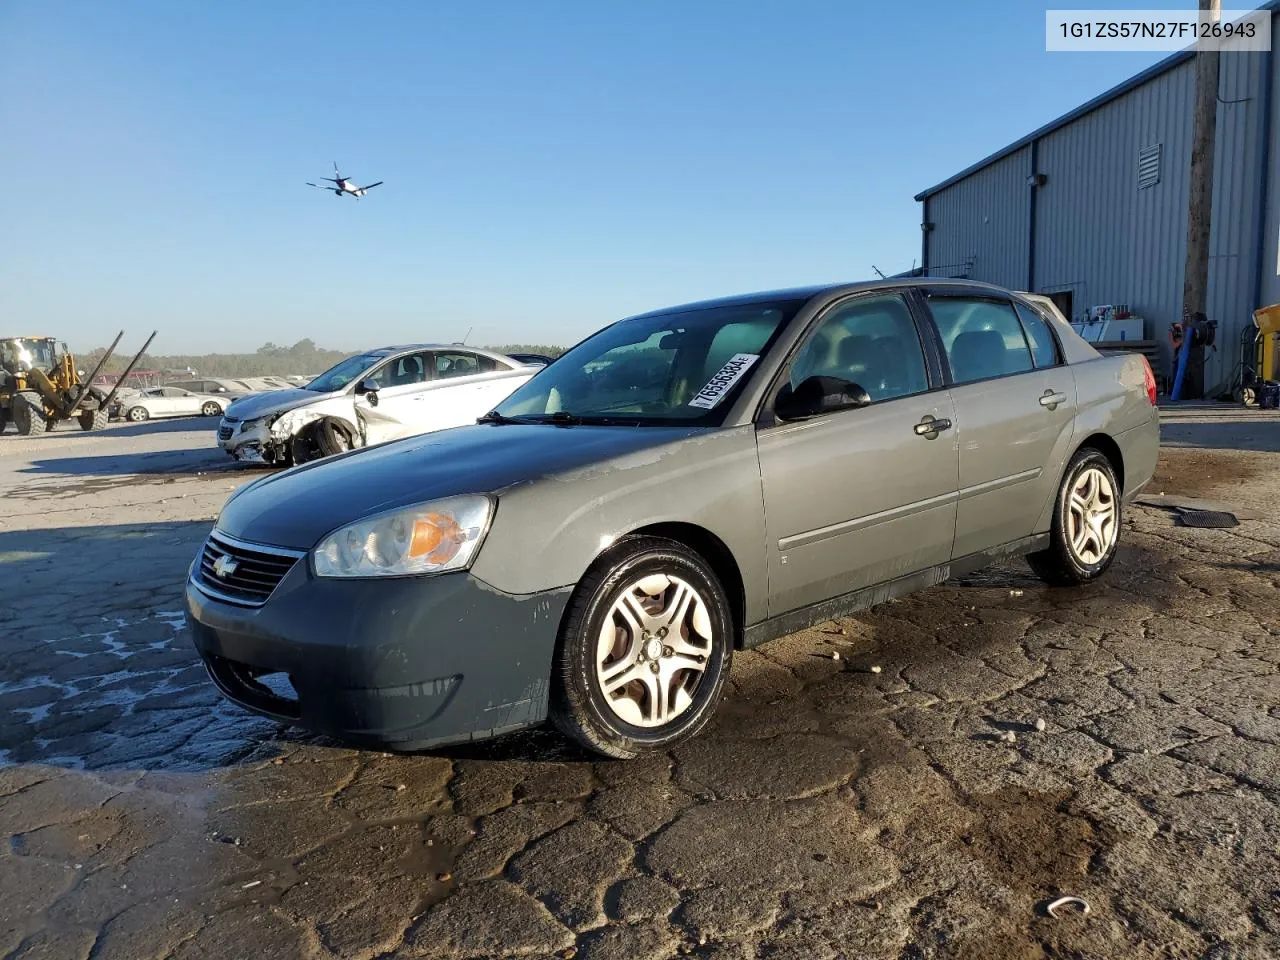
(1150, 378)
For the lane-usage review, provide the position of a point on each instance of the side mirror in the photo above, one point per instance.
(369, 388)
(816, 396)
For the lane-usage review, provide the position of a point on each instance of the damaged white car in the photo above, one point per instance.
(380, 395)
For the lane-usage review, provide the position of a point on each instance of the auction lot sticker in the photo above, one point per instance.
(723, 381)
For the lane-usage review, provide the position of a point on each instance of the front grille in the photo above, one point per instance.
(256, 572)
(227, 427)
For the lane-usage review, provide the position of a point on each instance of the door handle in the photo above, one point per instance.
(930, 427)
(1052, 399)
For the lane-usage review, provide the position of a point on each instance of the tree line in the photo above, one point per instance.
(304, 358)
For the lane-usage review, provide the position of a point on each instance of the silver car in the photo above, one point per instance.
(680, 485)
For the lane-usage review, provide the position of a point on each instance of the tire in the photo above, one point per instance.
(137, 414)
(28, 415)
(4, 419)
(332, 438)
(211, 409)
(630, 720)
(93, 419)
(1080, 549)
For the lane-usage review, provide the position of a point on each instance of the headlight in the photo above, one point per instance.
(428, 538)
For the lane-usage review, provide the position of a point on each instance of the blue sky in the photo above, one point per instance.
(550, 166)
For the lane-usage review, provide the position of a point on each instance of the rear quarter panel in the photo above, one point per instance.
(1111, 399)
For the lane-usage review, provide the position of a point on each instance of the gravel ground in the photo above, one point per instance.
(833, 810)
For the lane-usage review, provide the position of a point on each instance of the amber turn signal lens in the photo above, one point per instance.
(435, 537)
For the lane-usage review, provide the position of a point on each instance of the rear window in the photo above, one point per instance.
(1044, 347)
(983, 338)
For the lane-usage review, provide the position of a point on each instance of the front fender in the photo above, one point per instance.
(548, 531)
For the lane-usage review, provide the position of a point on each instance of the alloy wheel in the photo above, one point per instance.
(653, 650)
(1091, 516)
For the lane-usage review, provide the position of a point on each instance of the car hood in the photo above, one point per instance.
(297, 507)
(254, 405)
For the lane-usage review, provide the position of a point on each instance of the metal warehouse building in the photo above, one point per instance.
(1092, 208)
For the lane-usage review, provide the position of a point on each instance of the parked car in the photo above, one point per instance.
(595, 550)
(172, 401)
(216, 386)
(380, 395)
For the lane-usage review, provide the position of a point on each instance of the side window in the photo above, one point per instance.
(403, 371)
(983, 338)
(1044, 348)
(460, 364)
(872, 342)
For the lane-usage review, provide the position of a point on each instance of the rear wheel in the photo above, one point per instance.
(644, 651)
(1086, 523)
(28, 415)
(93, 419)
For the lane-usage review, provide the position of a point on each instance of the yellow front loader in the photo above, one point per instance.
(40, 385)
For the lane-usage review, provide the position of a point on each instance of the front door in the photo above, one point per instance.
(401, 382)
(865, 495)
(1015, 405)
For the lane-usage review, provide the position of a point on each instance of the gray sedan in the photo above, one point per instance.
(678, 486)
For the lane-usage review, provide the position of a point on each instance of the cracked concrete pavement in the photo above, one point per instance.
(830, 810)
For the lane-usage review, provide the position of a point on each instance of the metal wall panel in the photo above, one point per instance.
(981, 224)
(1099, 235)
(1270, 287)
(1105, 239)
(1237, 210)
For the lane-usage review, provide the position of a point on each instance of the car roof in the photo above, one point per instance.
(828, 290)
(410, 347)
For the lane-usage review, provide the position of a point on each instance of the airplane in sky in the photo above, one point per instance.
(342, 185)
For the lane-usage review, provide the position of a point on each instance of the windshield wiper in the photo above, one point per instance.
(493, 416)
(563, 418)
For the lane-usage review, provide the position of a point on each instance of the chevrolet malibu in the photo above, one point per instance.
(680, 485)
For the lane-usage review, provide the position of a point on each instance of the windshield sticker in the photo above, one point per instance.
(723, 381)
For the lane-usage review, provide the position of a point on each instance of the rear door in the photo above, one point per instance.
(1015, 404)
(861, 496)
(467, 385)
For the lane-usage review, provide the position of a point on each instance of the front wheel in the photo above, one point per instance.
(93, 419)
(645, 650)
(211, 409)
(1086, 523)
(137, 414)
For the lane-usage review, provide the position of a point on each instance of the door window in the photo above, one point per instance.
(871, 341)
(403, 371)
(461, 364)
(1044, 348)
(983, 338)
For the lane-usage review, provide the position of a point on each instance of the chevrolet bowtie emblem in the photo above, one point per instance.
(224, 566)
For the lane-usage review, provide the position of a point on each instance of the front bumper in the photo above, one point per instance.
(246, 440)
(404, 663)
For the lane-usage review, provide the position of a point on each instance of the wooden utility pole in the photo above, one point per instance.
(1195, 276)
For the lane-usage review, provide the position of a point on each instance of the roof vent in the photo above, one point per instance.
(1148, 166)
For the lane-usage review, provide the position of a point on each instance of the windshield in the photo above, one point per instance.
(665, 369)
(339, 375)
(27, 354)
